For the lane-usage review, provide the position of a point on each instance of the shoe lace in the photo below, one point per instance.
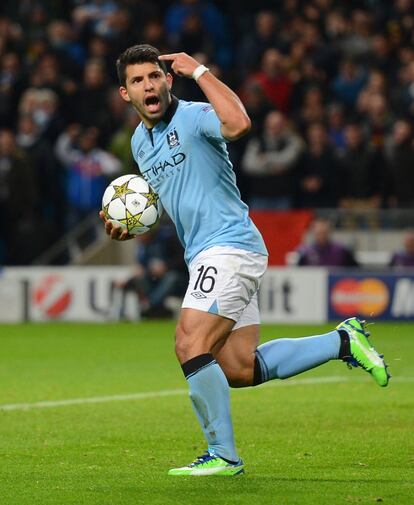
(204, 458)
(351, 362)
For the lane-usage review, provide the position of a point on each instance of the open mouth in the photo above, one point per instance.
(152, 103)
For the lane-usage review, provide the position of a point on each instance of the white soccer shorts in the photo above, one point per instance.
(225, 281)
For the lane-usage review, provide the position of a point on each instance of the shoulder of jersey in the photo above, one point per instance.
(192, 107)
(137, 131)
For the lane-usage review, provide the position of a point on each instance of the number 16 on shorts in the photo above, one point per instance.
(223, 280)
(206, 281)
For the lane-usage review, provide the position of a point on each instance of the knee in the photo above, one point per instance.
(187, 346)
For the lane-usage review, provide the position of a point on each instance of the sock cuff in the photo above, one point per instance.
(195, 364)
(261, 372)
(345, 346)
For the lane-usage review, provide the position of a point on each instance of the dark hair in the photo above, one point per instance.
(141, 53)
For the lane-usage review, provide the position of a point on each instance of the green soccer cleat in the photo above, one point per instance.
(209, 464)
(362, 353)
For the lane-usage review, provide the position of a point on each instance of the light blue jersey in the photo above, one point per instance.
(185, 159)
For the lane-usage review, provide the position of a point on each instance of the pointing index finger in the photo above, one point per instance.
(171, 56)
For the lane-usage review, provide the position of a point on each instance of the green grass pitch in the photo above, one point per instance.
(329, 436)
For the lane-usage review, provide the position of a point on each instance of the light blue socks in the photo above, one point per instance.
(277, 359)
(284, 357)
(210, 396)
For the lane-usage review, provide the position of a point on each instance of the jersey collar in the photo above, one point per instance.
(168, 115)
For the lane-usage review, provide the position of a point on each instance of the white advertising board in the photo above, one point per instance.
(62, 293)
(11, 300)
(293, 295)
(88, 294)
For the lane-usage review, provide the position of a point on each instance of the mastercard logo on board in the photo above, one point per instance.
(368, 297)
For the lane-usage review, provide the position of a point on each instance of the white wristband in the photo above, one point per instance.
(199, 71)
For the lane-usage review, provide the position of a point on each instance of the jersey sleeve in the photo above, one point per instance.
(134, 148)
(207, 123)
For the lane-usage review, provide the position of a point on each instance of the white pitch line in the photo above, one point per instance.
(175, 392)
(93, 399)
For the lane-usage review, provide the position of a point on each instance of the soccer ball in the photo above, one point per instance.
(130, 201)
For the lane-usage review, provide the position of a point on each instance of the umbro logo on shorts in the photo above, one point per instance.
(198, 295)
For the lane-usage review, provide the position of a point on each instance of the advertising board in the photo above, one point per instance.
(384, 296)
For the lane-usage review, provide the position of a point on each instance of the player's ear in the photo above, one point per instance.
(124, 93)
(169, 80)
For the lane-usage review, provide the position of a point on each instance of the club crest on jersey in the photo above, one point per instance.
(172, 138)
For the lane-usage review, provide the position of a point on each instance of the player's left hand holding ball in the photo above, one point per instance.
(114, 231)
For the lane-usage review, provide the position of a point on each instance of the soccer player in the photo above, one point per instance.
(180, 148)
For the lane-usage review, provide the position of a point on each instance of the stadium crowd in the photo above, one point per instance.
(329, 86)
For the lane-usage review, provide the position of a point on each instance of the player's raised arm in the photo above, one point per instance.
(228, 106)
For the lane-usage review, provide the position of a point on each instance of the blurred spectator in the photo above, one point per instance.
(18, 202)
(47, 73)
(95, 15)
(377, 120)
(289, 10)
(120, 143)
(192, 37)
(405, 256)
(69, 51)
(306, 77)
(257, 106)
(141, 13)
(293, 29)
(154, 34)
(361, 172)
(274, 80)
(43, 106)
(317, 171)
(50, 204)
(99, 49)
(121, 29)
(270, 160)
(159, 273)
(382, 57)
(400, 169)
(91, 98)
(377, 83)
(255, 43)
(181, 19)
(47, 115)
(33, 18)
(312, 109)
(11, 86)
(356, 42)
(336, 125)
(349, 82)
(401, 21)
(323, 55)
(88, 170)
(403, 95)
(295, 60)
(36, 48)
(115, 112)
(322, 250)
